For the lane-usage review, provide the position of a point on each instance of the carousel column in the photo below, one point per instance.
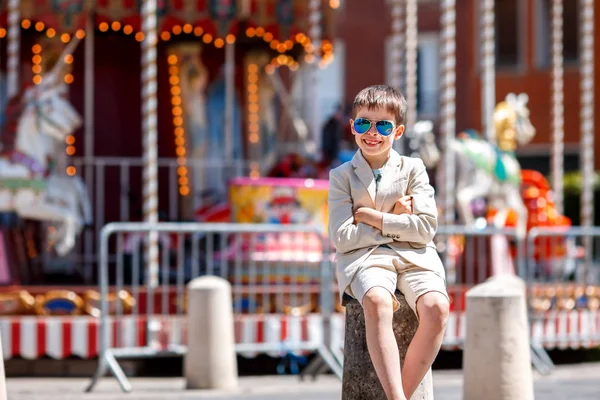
(412, 43)
(149, 130)
(315, 36)
(448, 109)
(557, 105)
(397, 55)
(13, 48)
(488, 66)
(586, 41)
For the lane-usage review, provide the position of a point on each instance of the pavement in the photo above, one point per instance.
(572, 382)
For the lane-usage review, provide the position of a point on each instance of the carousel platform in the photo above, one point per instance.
(64, 324)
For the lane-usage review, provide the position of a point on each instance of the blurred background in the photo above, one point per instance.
(232, 112)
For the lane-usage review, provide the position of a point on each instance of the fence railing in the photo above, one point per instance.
(285, 296)
(274, 270)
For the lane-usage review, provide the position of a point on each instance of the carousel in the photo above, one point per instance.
(217, 76)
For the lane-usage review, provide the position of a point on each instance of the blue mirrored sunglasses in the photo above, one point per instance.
(383, 127)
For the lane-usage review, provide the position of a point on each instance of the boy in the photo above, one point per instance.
(382, 219)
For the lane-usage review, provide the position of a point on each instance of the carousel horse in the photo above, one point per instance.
(486, 169)
(38, 119)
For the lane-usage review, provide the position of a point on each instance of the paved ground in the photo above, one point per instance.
(575, 382)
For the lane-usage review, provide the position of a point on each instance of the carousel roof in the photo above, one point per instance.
(283, 19)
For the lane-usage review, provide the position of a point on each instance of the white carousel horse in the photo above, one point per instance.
(28, 187)
(484, 169)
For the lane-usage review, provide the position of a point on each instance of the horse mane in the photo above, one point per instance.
(8, 131)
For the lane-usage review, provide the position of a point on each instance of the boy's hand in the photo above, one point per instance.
(403, 205)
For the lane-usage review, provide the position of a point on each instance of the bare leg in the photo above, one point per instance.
(381, 342)
(433, 309)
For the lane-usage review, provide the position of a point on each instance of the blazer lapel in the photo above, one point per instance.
(387, 180)
(364, 173)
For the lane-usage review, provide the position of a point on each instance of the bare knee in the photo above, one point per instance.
(433, 310)
(378, 302)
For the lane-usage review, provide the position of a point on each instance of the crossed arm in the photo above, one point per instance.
(414, 218)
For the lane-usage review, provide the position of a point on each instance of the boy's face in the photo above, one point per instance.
(374, 145)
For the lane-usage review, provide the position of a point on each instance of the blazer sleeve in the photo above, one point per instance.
(344, 234)
(421, 225)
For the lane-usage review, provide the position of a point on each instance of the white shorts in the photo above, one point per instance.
(385, 268)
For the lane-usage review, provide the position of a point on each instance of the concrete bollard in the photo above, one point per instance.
(210, 362)
(360, 381)
(496, 357)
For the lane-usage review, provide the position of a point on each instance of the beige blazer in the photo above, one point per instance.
(352, 185)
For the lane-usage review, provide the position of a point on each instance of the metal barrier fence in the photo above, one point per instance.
(285, 297)
(563, 278)
(275, 270)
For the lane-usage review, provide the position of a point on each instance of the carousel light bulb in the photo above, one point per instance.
(198, 31)
(70, 150)
(139, 36)
(2, 32)
(103, 27)
(69, 79)
(250, 32)
(37, 79)
(39, 26)
(268, 37)
(334, 4)
(65, 37)
(260, 31)
(69, 59)
(207, 38)
(165, 36)
(37, 59)
(36, 69)
(116, 25)
(71, 170)
(36, 49)
(177, 30)
(172, 60)
(128, 29)
(219, 43)
(50, 33)
(253, 138)
(187, 28)
(230, 39)
(80, 34)
(70, 140)
(26, 24)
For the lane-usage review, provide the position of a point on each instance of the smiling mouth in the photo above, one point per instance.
(370, 142)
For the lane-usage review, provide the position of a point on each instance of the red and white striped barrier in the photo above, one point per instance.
(33, 337)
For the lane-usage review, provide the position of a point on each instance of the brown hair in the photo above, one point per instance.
(381, 96)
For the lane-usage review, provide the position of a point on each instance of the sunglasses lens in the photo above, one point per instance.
(384, 128)
(361, 125)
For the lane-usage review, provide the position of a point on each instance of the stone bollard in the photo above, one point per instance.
(496, 357)
(210, 362)
(360, 381)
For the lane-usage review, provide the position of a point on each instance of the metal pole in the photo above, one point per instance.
(448, 107)
(13, 48)
(397, 54)
(229, 100)
(89, 132)
(488, 57)
(149, 130)
(412, 43)
(558, 106)
(315, 36)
